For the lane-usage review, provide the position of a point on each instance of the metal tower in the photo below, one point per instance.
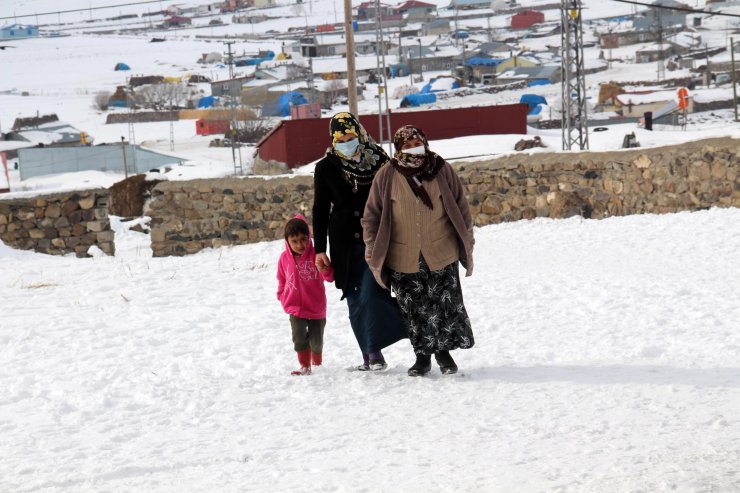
(574, 119)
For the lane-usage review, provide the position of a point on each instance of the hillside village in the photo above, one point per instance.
(270, 60)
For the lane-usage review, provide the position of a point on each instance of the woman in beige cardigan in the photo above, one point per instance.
(417, 227)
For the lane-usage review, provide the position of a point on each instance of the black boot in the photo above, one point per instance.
(446, 364)
(422, 366)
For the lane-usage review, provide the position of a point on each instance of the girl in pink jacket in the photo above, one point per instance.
(302, 294)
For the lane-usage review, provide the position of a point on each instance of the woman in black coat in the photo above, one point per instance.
(341, 186)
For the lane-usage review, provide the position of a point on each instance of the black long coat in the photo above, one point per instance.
(337, 211)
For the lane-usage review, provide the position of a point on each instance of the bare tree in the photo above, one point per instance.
(102, 100)
(163, 96)
(334, 89)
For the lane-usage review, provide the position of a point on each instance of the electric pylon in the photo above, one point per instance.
(574, 119)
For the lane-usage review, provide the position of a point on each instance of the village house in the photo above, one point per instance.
(494, 49)
(181, 9)
(436, 27)
(657, 18)
(482, 68)
(264, 4)
(230, 87)
(233, 5)
(636, 104)
(469, 4)
(18, 31)
(367, 11)
(47, 131)
(177, 21)
(414, 10)
(329, 68)
(549, 74)
(333, 43)
(526, 19)
(420, 59)
(675, 45)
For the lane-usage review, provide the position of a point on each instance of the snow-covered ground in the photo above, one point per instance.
(606, 359)
(606, 355)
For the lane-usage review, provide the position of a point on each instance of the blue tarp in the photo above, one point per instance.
(418, 99)
(532, 100)
(432, 87)
(398, 70)
(281, 107)
(121, 66)
(254, 61)
(207, 102)
(538, 83)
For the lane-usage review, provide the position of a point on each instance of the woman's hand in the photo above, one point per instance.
(322, 262)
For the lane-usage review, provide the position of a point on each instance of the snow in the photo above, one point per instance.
(606, 360)
(606, 354)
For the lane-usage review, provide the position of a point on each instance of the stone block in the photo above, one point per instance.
(97, 226)
(81, 251)
(108, 247)
(642, 161)
(36, 234)
(719, 170)
(53, 211)
(79, 229)
(87, 202)
(25, 214)
(3, 219)
(68, 207)
(105, 236)
(158, 235)
(58, 242)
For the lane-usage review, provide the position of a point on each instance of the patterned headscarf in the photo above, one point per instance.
(372, 156)
(415, 167)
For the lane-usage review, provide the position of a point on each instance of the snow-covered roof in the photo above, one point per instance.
(685, 39)
(647, 97)
(325, 65)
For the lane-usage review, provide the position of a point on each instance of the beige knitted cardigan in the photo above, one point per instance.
(376, 220)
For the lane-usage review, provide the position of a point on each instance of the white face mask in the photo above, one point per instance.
(415, 151)
(348, 148)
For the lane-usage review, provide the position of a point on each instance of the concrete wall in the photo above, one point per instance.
(189, 216)
(58, 224)
(40, 161)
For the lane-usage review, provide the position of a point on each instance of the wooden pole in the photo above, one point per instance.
(125, 163)
(349, 40)
(734, 77)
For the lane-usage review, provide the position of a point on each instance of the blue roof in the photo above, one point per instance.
(487, 62)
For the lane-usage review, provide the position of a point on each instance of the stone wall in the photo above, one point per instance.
(58, 224)
(190, 216)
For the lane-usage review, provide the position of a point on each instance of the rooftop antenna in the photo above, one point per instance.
(574, 118)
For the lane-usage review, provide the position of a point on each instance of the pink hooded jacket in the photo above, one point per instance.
(300, 285)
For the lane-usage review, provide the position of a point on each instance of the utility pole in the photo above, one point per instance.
(238, 171)
(349, 42)
(734, 77)
(125, 163)
(574, 118)
(382, 89)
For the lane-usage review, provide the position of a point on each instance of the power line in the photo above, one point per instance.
(130, 4)
(682, 9)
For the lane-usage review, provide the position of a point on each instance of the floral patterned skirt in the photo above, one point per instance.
(431, 303)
